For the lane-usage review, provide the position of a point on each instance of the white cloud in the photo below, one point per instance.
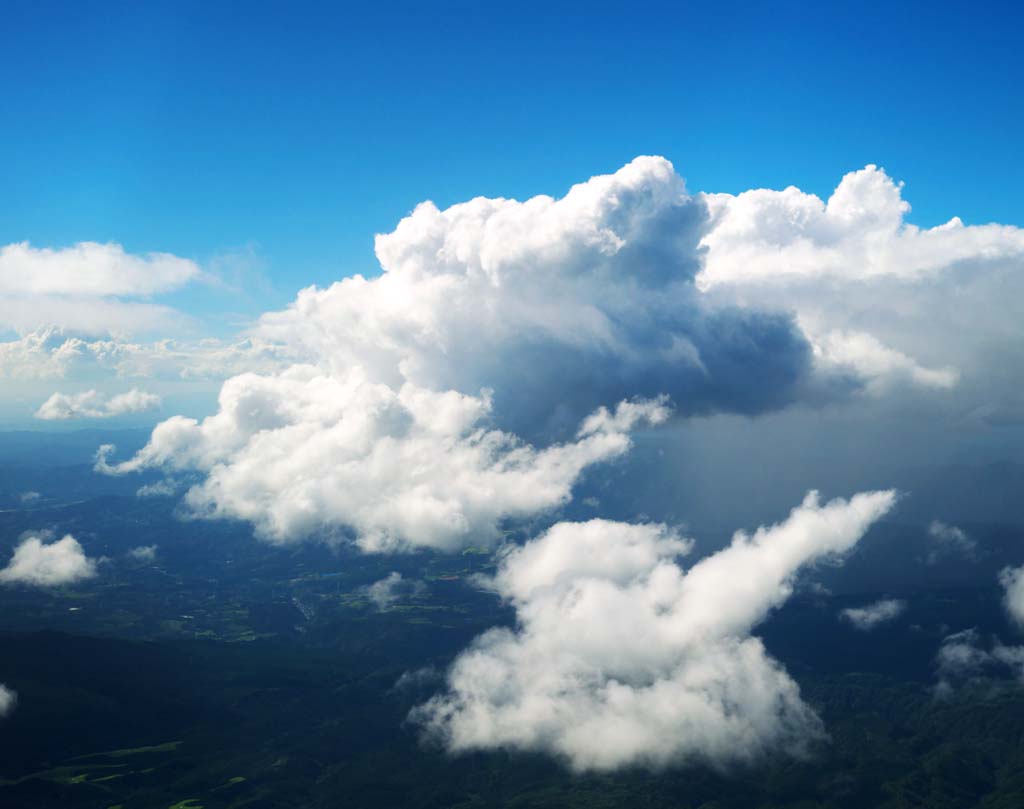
(621, 657)
(879, 365)
(871, 615)
(768, 236)
(495, 322)
(556, 305)
(8, 700)
(392, 588)
(29, 497)
(962, 660)
(890, 302)
(1012, 580)
(161, 488)
(626, 286)
(57, 353)
(143, 553)
(950, 539)
(42, 564)
(303, 453)
(92, 404)
(91, 270)
(89, 287)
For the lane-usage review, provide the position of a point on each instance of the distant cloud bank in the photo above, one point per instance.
(93, 405)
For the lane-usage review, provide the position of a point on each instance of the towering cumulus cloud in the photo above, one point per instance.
(621, 657)
(556, 305)
(428, 404)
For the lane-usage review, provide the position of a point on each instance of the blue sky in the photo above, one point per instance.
(283, 136)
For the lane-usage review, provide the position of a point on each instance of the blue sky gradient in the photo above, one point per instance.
(278, 138)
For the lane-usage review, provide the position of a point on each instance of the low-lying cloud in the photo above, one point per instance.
(869, 616)
(1012, 580)
(39, 563)
(950, 540)
(962, 660)
(391, 589)
(143, 553)
(620, 657)
(8, 700)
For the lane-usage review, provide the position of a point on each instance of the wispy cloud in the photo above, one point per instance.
(871, 615)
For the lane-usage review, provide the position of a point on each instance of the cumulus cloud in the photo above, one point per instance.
(92, 404)
(621, 657)
(143, 553)
(898, 305)
(858, 233)
(440, 398)
(1012, 580)
(8, 699)
(392, 588)
(161, 488)
(38, 563)
(878, 365)
(305, 453)
(557, 306)
(628, 285)
(871, 615)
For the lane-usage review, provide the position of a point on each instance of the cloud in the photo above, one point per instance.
(859, 233)
(90, 270)
(961, 660)
(442, 397)
(557, 306)
(8, 700)
(143, 553)
(877, 364)
(89, 286)
(29, 497)
(950, 539)
(620, 657)
(901, 306)
(1012, 580)
(58, 353)
(92, 404)
(392, 588)
(161, 488)
(628, 285)
(868, 617)
(303, 454)
(45, 565)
